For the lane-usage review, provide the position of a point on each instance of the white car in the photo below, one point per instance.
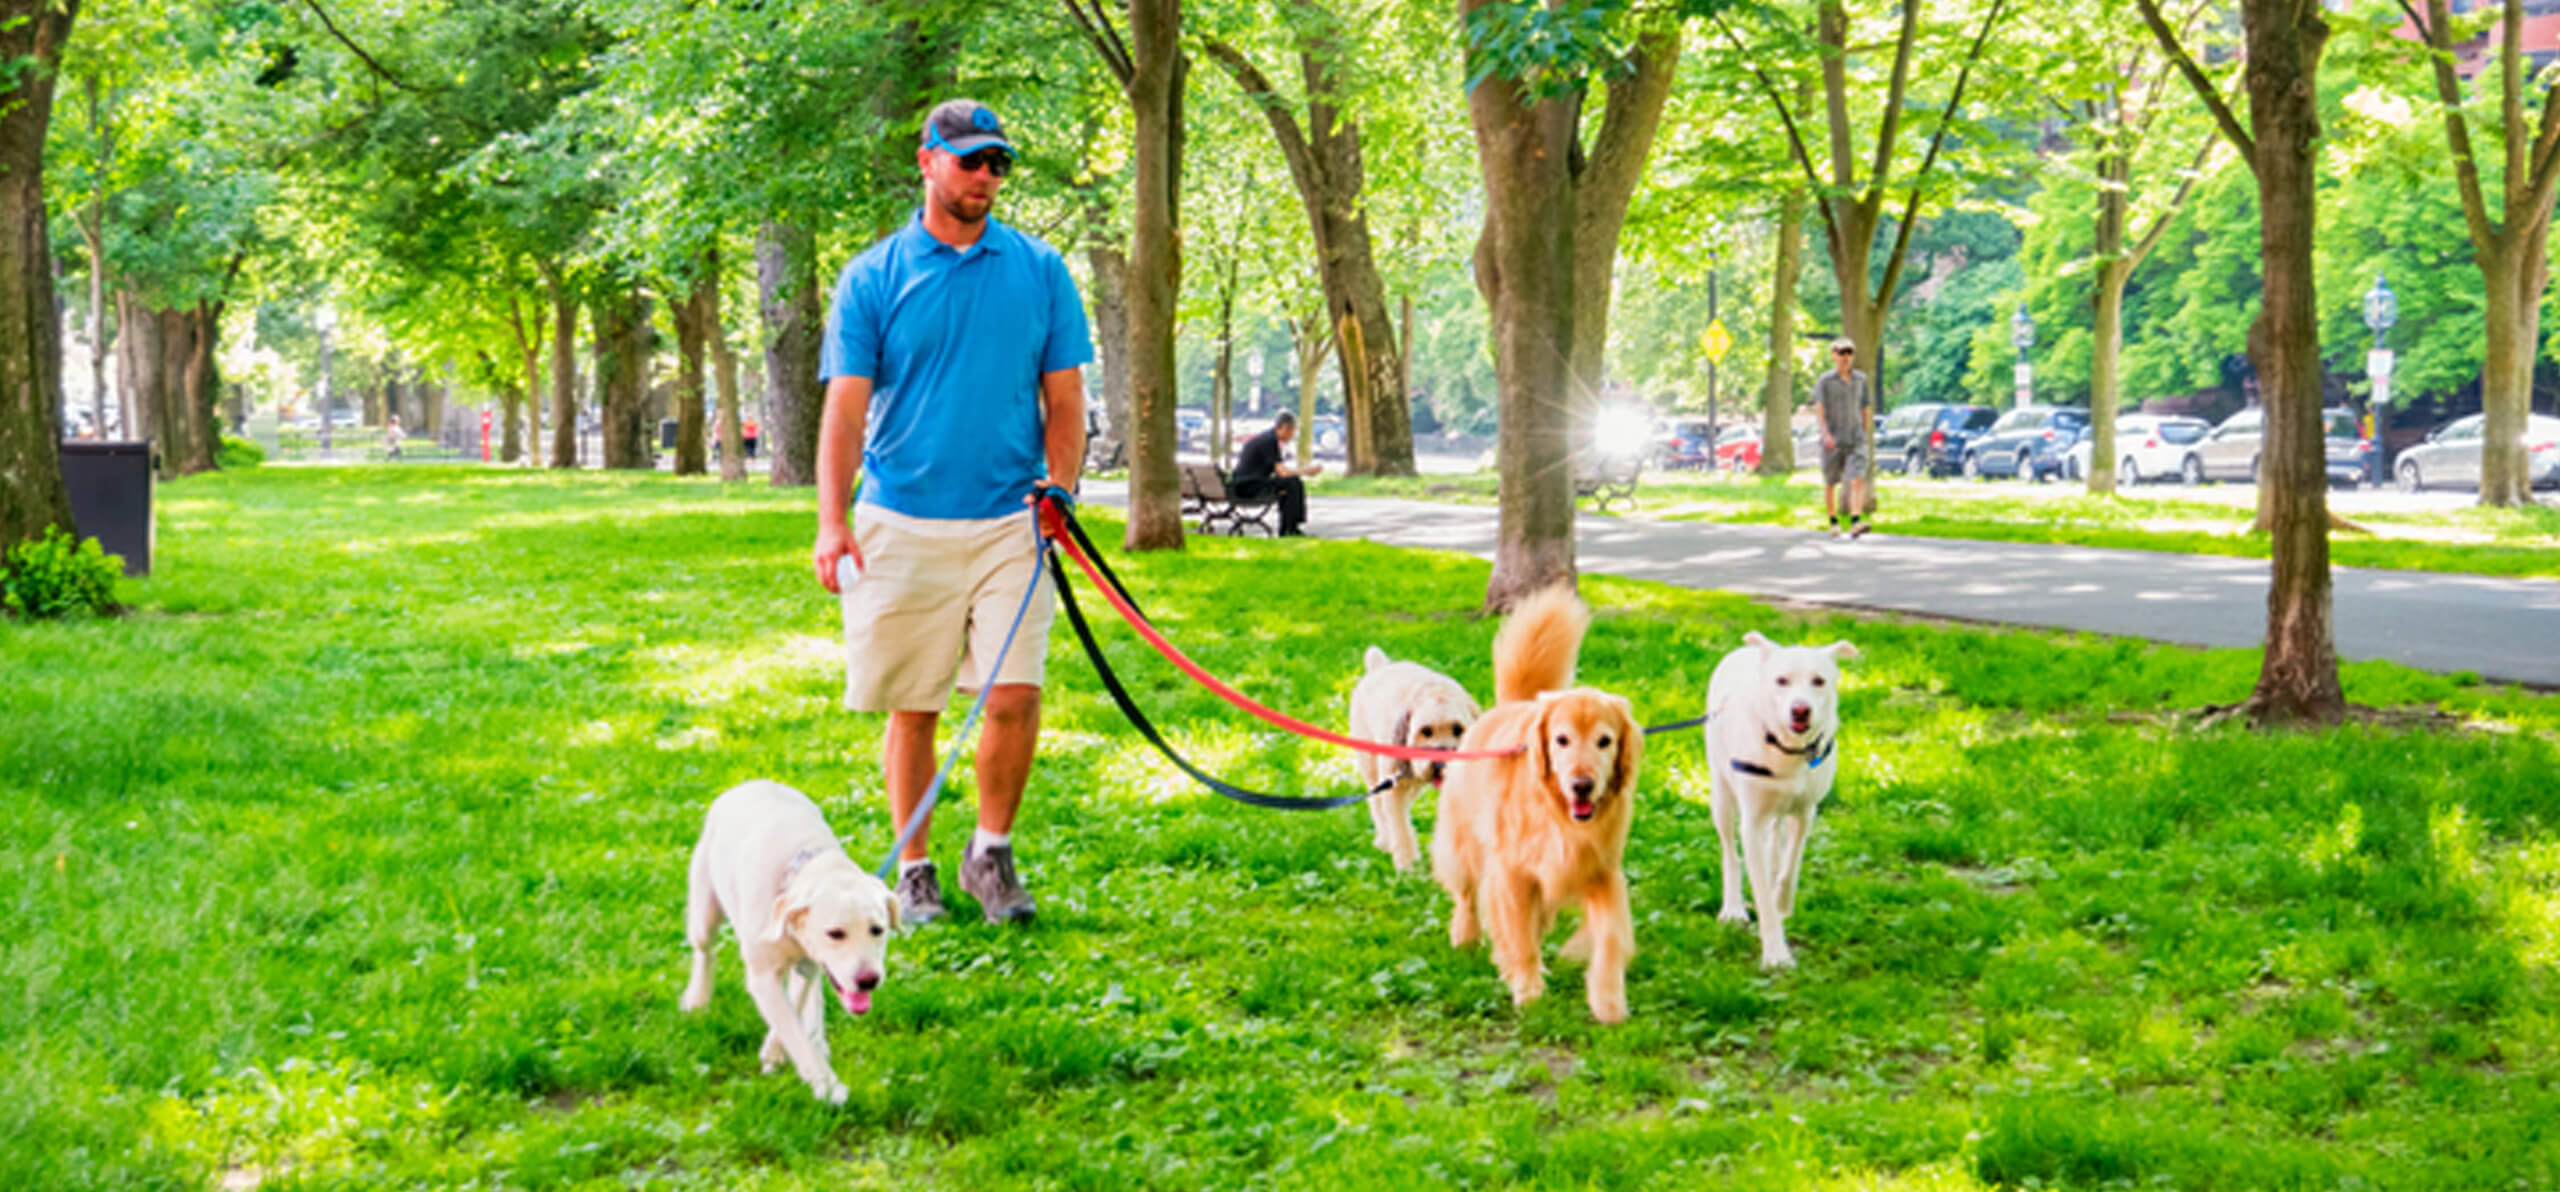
(2148, 447)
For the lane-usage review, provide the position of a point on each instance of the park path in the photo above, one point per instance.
(2502, 629)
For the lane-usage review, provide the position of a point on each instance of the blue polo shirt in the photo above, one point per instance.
(954, 343)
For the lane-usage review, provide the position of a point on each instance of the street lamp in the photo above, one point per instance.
(2022, 332)
(2381, 310)
(326, 320)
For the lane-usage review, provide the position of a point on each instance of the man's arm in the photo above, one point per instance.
(1062, 435)
(840, 430)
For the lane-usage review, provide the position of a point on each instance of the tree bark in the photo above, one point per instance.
(32, 497)
(1524, 268)
(787, 279)
(2514, 280)
(564, 371)
(724, 362)
(622, 355)
(2106, 330)
(1109, 267)
(1324, 160)
(1155, 274)
(200, 389)
(1778, 387)
(2298, 680)
(1604, 186)
(692, 368)
(177, 407)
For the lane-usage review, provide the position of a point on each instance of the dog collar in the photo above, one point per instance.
(1819, 749)
(1384, 785)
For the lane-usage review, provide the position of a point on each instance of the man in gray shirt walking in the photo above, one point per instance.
(1845, 401)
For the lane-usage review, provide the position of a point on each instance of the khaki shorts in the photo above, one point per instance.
(935, 598)
(1848, 460)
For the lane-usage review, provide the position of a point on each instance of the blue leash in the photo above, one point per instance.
(986, 685)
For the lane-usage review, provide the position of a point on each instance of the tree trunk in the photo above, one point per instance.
(138, 358)
(787, 279)
(692, 366)
(1778, 387)
(177, 410)
(32, 496)
(200, 389)
(564, 372)
(1603, 189)
(724, 367)
(1524, 268)
(1110, 269)
(1155, 274)
(2514, 280)
(622, 357)
(2298, 680)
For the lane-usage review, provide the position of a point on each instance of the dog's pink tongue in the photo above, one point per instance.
(857, 1001)
(1582, 808)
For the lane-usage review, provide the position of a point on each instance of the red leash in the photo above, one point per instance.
(1067, 541)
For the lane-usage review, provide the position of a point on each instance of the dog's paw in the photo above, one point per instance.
(1733, 913)
(1577, 947)
(1462, 931)
(1609, 1009)
(694, 999)
(831, 1091)
(1777, 958)
(1529, 990)
(773, 1054)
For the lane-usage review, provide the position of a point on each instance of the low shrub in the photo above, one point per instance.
(240, 453)
(58, 575)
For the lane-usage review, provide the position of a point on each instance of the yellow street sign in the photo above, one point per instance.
(1715, 341)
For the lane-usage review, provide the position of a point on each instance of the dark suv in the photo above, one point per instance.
(1929, 438)
(2027, 442)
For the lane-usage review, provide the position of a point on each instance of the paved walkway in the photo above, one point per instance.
(2507, 630)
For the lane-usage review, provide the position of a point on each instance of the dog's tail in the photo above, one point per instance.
(1536, 648)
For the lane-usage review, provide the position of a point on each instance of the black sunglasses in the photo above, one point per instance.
(991, 159)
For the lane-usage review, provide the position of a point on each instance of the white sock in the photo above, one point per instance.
(906, 867)
(985, 840)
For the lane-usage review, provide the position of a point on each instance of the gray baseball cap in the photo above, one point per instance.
(963, 126)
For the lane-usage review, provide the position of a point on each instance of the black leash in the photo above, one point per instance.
(1146, 728)
(1676, 725)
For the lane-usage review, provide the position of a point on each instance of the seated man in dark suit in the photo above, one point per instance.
(1261, 468)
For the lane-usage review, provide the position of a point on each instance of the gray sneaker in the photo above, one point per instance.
(989, 878)
(919, 896)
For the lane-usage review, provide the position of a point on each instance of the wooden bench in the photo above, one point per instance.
(1206, 495)
(1607, 481)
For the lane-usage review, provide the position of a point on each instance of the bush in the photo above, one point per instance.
(240, 453)
(58, 575)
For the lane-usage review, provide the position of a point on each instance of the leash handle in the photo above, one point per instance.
(1281, 720)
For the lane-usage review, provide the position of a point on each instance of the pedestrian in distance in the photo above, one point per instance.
(953, 360)
(1847, 404)
(1262, 470)
(391, 437)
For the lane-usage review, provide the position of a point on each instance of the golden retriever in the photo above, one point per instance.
(1521, 837)
(1404, 703)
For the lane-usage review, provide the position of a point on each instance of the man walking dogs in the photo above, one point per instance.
(1845, 403)
(955, 388)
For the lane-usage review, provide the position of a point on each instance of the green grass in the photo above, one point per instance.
(2518, 543)
(355, 858)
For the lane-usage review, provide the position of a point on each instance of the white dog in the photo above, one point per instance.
(1773, 730)
(1404, 703)
(770, 865)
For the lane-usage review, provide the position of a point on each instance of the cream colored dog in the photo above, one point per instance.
(1404, 703)
(1521, 837)
(770, 865)
(1773, 730)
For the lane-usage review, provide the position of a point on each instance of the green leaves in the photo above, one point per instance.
(1551, 51)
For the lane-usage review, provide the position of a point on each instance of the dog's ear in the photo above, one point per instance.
(1753, 638)
(897, 917)
(1840, 650)
(1622, 775)
(786, 917)
(1374, 659)
(1403, 734)
(1542, 763)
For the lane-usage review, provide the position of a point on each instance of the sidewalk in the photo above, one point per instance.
(2504, 630)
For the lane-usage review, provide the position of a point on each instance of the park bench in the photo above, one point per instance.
(1607, 480)
(1206, 495)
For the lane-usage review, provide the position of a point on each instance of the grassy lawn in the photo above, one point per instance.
(2522, 543)
(355, 858)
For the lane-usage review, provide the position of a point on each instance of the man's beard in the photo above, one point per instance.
(964, 208)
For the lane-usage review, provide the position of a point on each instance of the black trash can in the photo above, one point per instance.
(666, 434)
(110, 485)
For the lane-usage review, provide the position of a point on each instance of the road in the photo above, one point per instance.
(2504, 630)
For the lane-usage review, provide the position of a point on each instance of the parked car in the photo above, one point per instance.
(1190, 426)
(2231, 451)
(1739, 446)
(1682, 443)
(2026, 442)
(2148, 447)
(2451, 455)
(1928, 438)
(1330, 438)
